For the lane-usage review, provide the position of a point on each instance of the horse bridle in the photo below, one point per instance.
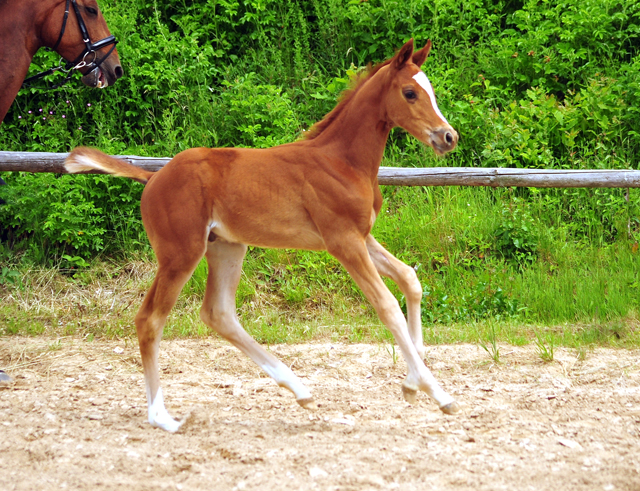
(81, 61)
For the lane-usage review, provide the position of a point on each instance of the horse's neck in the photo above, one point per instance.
(19, 41)
(359, 134)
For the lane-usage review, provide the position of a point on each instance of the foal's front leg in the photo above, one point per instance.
(352, 252)
(405, 277)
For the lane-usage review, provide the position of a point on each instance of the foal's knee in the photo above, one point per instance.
(391, 315)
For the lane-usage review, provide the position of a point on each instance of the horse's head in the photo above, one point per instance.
(411, 102)
(77, 30)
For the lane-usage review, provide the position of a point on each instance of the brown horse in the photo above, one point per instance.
(81, 36)
(319, 193)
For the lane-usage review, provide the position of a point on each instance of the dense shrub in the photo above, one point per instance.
(527, 84)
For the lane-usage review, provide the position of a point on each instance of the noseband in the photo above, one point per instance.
(88, 58)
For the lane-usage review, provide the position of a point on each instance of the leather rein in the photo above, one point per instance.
(85, 59)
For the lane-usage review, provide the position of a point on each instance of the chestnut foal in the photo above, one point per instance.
(319, 193)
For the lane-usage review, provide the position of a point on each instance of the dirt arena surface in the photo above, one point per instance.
(75, 418)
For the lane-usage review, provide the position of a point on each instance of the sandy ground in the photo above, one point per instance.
(75, 418)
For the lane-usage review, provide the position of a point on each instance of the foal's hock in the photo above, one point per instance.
(319, 193)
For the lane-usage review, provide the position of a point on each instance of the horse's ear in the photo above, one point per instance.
(419, 57)
(403, 55)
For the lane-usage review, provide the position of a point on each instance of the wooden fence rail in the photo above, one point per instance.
(391, 176)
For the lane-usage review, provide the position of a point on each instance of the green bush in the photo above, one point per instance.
(51, 216)
(528, 84)
(257, 115)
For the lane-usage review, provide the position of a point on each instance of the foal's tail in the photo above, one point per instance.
(84, 159)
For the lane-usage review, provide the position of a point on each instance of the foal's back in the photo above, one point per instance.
(260, 197)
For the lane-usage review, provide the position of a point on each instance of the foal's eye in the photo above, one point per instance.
(410, 95)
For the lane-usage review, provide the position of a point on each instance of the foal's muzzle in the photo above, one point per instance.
(444, 140)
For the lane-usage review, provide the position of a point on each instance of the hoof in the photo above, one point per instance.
(172, 426)
(5, 379)
(308, 403)
(410, 395)
(451, 408)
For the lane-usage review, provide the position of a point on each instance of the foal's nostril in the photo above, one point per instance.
(118, 71)
(444, 139)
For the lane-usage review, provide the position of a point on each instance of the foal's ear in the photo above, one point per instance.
(403, 55)
(419, 57)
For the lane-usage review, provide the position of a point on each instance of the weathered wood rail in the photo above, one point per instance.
(391, 176)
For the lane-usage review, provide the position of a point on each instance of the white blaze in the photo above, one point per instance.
(423, 82)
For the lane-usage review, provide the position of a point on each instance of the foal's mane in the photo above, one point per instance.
(343, 100)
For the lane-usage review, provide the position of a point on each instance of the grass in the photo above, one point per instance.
(494, 268)
(489, 343)
(102, 302)
(545, 344)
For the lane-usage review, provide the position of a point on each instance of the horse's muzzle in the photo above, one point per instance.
(443, 140)
(102, 76)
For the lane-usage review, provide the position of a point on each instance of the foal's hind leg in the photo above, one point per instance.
(150, 320)
(219, 313)
(407, 280)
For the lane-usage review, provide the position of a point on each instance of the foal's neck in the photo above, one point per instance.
(359, 134)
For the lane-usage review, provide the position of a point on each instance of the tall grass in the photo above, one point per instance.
(526, 84)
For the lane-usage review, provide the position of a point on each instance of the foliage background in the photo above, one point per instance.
(546, 84)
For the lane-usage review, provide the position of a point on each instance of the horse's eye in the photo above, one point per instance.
(410, 95)
(92, 11)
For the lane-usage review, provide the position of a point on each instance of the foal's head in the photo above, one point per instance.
(411, 102)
